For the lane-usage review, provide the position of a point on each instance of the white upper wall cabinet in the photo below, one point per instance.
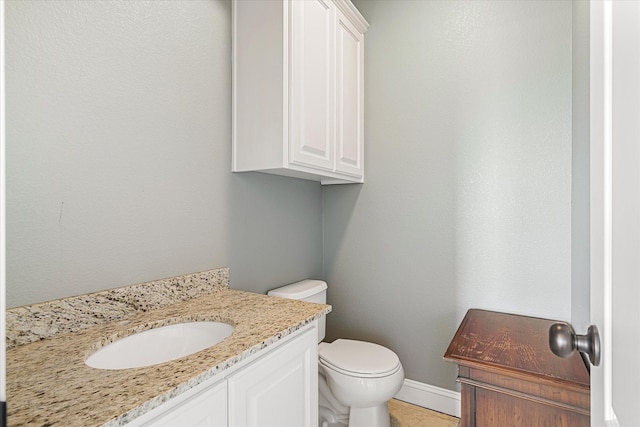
(298, 82)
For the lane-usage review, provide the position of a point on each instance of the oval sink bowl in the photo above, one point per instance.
(159, 345)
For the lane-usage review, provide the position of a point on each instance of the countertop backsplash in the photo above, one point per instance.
(35, 322)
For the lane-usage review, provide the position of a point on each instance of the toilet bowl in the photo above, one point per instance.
(356, 378)
(362, 376)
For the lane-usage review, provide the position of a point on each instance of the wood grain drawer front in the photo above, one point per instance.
(573, 398)
(498, 409)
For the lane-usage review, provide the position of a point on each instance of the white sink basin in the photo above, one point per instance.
(159, 345)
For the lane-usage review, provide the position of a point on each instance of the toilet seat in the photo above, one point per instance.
(358, 358)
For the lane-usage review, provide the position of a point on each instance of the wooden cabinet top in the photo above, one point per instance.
(513, 344)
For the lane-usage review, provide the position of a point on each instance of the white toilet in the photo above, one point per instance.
(356, 378)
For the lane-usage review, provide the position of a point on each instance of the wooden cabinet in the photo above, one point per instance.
(509, 377)
(277, 386)
(298, 82)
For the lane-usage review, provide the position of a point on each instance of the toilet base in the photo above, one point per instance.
(328, 418)
(377, 416)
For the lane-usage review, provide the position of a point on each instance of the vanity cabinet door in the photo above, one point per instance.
(279, 389)
(208, 408)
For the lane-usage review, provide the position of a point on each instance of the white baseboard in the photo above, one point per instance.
(430, 397)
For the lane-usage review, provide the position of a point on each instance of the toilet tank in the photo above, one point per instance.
(306, 290)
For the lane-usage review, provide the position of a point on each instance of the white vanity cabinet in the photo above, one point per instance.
(206, 408)
(278, 386)
(298, 82)
(280, 389)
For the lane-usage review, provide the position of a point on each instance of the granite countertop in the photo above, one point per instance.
(49, 384)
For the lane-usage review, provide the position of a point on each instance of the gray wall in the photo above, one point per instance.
(119, 155)
(580, 270)
(118, 145)
(468, 186)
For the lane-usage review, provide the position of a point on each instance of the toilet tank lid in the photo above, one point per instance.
(299, 290)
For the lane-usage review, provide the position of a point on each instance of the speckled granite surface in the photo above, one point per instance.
(49, 384)
(35, 322)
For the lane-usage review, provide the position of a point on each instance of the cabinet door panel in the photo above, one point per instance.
(312, 85)
(279, 389)
(497, 409)
(206, 409)
(349, 98)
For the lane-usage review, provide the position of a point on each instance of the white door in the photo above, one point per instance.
(615, 210)
(205, 409)
(280, 389)
(349, 97)
(311, 109)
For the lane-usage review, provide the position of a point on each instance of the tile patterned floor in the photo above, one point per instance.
(406, 415)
